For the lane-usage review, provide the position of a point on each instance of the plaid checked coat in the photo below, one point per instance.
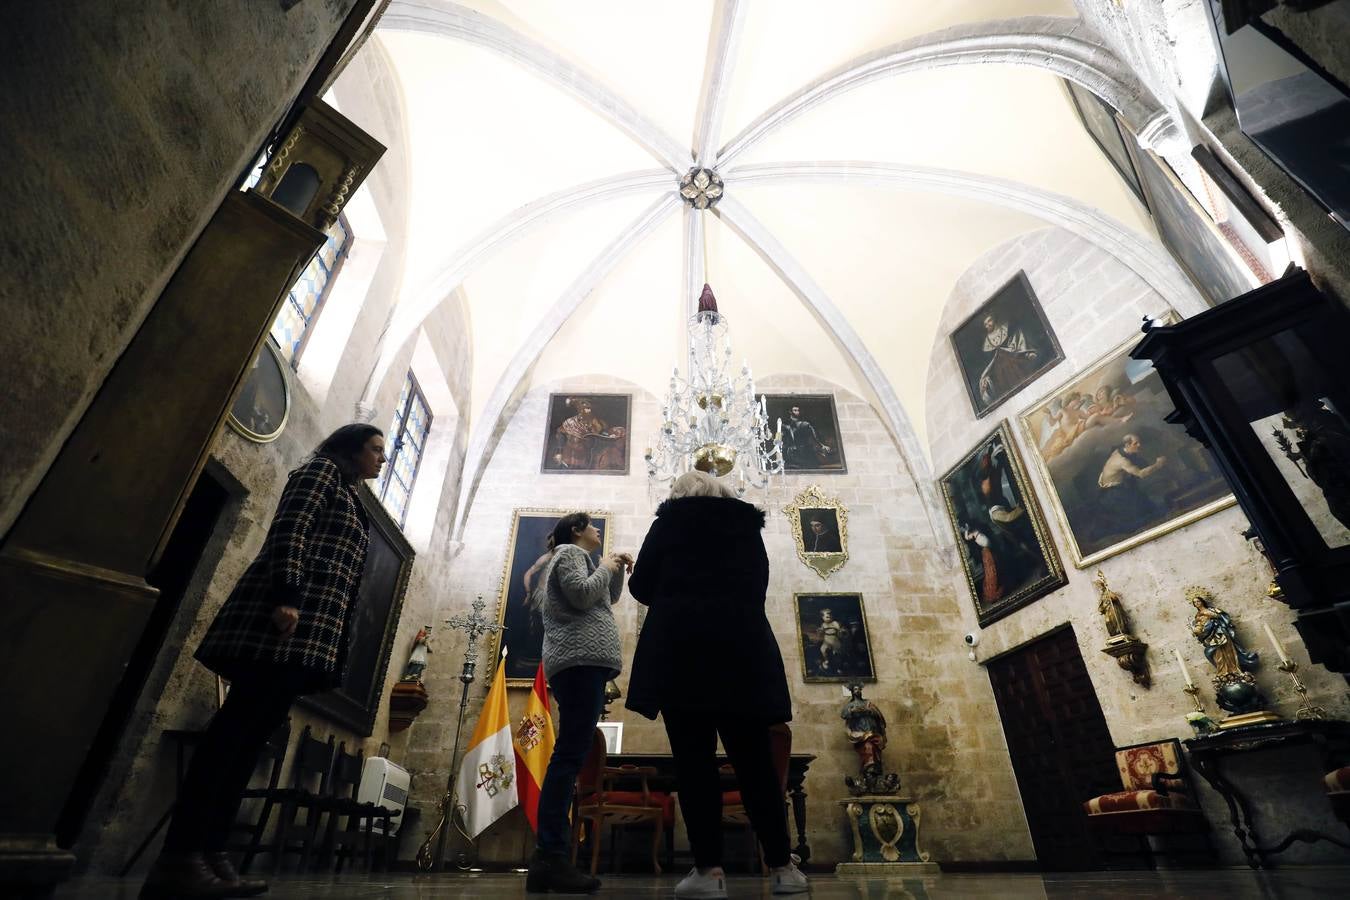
(312, 559)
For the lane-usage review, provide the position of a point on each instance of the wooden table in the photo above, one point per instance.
(1330, 736)
(664, 780)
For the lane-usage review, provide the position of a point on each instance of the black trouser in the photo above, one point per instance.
(223, 763)
(693, 741)
(580, 692)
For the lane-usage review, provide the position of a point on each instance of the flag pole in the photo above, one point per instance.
(475, 625)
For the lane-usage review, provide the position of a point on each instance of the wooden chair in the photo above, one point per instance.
(598, 804)
(274, 753)
(312, 767)
(1157, 799)
(733, 810)
(354, 838)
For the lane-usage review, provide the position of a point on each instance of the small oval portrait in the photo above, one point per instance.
(264, 401)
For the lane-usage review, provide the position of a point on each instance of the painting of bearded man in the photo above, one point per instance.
(1005, 345)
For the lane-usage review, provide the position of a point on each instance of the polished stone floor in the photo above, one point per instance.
(1228, 884)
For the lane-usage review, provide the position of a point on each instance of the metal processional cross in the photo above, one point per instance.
(475, 626)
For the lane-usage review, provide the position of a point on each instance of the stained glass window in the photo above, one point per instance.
(407, 439)
(306, 296)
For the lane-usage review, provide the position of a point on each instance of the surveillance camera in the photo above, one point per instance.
(973, 639)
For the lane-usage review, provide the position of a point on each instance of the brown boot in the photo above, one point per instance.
(220, 863)
(178, 876)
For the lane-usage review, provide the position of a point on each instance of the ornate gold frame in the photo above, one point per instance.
(824, 564)
(1024, 424)
(270, 346)
(509, 556)
(801, 644)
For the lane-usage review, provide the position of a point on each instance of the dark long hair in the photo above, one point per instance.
(564, 532)
(343, 445)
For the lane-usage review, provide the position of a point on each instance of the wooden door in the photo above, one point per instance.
(1061, 750)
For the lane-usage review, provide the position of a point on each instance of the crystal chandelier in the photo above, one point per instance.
(711, 421)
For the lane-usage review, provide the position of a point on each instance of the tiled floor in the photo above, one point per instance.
(1284, 884)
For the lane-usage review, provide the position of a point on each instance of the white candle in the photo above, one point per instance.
(1181, 664)
(1279, 648)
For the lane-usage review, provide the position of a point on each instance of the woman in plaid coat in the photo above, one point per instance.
(281, 633)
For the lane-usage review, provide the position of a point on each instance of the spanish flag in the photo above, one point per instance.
(534, 746)
(487, 777)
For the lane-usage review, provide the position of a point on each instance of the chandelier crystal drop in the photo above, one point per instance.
(711, 420)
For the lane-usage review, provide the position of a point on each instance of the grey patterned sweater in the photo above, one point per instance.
(579, 628)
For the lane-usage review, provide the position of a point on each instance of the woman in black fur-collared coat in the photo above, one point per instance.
(708, 662)
(281, 633)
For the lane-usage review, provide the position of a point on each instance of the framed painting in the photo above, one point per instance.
(263, 404)
(587, 434)
(811, 437)
(370, 631)
(613, 732)
(1101, 124)
(819, 529)
(527, 554)
(1119, 473)
(1003, 346)
(1190, 235)
(1006, 552)
(832, 636)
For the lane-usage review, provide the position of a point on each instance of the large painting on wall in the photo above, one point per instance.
(374, 619)
(587, 434)
(1119, 474)
(1101, 124)
(527, 554)
(832, 637)
(1006, 344)
(1006, 551)
(1189, 234)
(811, 438)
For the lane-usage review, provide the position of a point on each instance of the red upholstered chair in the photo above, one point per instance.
(1157, 799)
(1338, 792)
(598, 804)
(733, 810)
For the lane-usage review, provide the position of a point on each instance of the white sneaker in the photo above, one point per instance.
(713, 887)
(789, 880)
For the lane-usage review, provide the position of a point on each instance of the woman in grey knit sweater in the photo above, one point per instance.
(581, 653)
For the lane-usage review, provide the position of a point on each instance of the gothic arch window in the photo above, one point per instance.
(406, 439)
(305, 298)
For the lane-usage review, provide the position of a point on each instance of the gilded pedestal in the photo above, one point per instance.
(885, 830)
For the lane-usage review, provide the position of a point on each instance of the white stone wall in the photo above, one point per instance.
(944, 736)
(1094, 304)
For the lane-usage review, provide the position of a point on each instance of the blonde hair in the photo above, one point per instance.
(695, 483)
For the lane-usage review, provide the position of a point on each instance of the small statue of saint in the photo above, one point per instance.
(417, 659)
(1234, 685)
(866, 728)
(1108, 604)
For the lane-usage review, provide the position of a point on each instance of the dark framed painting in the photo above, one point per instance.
(1101, 124)
(1189, 234)
(263, 404)
(527, 554)
(374, 619)
(811, 437)
(1006, 551)
(832, 636)
(587, 434)
(1119, 474)
(1003, 346)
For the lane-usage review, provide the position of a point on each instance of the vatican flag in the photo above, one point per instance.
(487, 776)
(534, 747)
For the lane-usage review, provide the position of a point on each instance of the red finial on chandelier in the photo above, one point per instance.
(706, 301)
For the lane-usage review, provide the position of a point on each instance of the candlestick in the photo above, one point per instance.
(1306, 709)
(1279, 648)
(1181, 664)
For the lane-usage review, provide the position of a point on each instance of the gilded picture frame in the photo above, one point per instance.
(262, 406)
(1006, 553)
(523, 560)
(819, 529)
(832, 637)
(1073, 468)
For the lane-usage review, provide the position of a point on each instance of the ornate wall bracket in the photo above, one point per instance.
(1130, 653)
